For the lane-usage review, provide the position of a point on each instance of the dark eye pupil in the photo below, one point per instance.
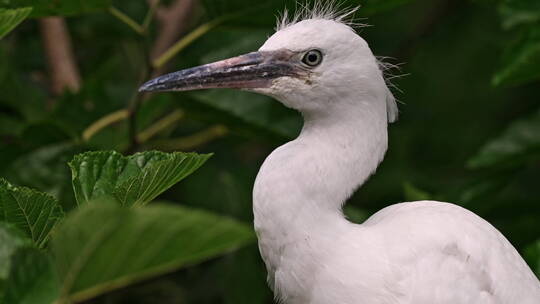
(312, 58)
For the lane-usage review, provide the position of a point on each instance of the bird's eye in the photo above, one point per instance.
(312, 58)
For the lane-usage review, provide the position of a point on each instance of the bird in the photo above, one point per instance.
(422, 252)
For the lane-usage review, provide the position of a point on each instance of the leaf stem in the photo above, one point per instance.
(150, 15)
(103, 122)
(189, 142)
(135, 103)
(127, 20)
(160, 125)
(185, 41)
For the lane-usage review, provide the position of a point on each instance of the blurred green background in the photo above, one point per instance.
(469, 130)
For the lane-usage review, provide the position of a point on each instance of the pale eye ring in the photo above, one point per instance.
(312, 58)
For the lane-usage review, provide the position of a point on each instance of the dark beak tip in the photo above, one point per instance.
(147, 87)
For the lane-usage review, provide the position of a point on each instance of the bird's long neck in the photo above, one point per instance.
(302, 185)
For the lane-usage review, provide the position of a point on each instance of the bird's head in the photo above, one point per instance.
(312, 65)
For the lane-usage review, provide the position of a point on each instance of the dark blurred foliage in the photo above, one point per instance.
(468, 133)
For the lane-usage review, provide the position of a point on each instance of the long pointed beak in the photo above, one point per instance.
(252, 70)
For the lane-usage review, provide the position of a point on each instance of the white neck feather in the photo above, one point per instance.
(303, 184)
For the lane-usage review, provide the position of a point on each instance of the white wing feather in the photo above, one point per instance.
(423, 253)
(448, 254)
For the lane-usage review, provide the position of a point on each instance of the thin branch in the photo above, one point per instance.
(63, 70)
(104, 122)
(127, 20)
(173, 21)
(135, 103)
(133, 109)
(154, 5)
(160, 126)
(185, 41)
(190, 142)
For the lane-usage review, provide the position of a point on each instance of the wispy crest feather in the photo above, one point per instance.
(390, 71)
(333, 10)
(322, 10)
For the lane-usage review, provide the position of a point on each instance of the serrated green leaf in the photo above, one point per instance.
(517, 142)
(11, 239)
(43, 8)
(45, 169)
(33, 212)
(10, 18)
(32, 279)
(102, 247)
(132, 180)
(521, 60)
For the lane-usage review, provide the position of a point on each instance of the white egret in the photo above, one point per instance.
(423, 252)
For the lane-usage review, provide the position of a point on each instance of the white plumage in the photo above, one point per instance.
(418, 252)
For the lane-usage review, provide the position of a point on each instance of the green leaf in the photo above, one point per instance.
(412, 193)
(11, 239)
(133, 180)
(10, 18)
(45, 169)
(14, 86)
(521, 60)
(520, 140)
(226, 42)
(372, 7)
(266, 10)
(10, 125)
(43, 8)
(75, 116)
(519, 12)
(32, 279)
(237, 270)
(247, 111)
(242, 11)
(355, 214)
(532, 256)
(33, 212)
(102, 247)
